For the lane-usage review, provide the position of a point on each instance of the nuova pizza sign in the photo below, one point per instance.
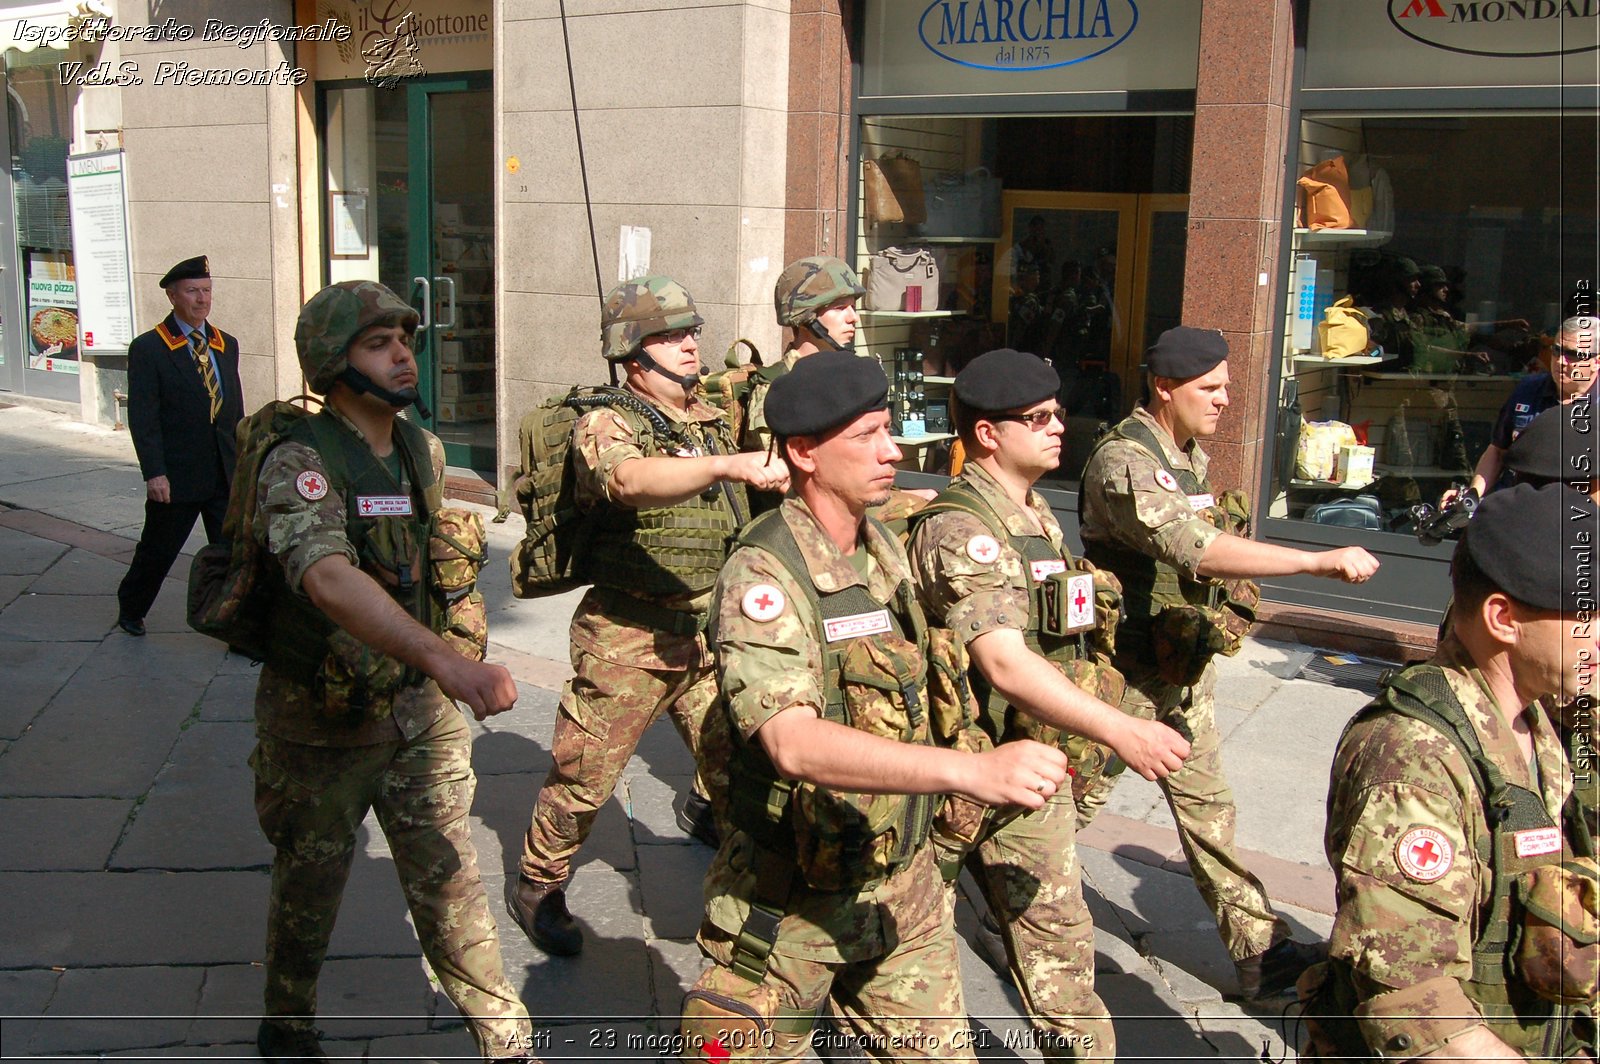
(1023, 35)
(1500, 28)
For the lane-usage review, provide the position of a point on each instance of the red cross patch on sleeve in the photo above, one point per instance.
(762, 603)
(983, 549)
(1166, 480)
(311, 485)
(1424, 854)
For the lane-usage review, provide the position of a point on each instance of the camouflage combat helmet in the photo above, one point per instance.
(640, 308)
(808, 285)
(333, 317)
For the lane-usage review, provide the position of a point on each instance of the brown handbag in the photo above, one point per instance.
(892, 189)
(1325, 195)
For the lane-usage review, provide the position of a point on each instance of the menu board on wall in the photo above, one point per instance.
(99, 209)
(52, 313)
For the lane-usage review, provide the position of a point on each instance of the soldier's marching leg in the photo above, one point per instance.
(1202, 806)
(1033, 884)
(604, 710)
(422, 807)
(691, 711)
(310, 800)
(726, 1016)
(909, 1005)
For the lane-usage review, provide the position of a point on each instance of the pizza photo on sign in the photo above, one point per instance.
(55, 332)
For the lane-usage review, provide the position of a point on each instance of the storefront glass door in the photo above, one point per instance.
(423, 148)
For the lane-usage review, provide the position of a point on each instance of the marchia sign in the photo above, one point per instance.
(1500, 28)
(1019, 35)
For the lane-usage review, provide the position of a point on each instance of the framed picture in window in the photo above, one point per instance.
(347, 221)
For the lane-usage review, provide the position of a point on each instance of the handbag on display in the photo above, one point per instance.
(892, 190)
(962, 204)
(1325, 195)
(1343, 330)
(903, 278)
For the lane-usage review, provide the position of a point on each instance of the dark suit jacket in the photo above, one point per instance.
(169, 412)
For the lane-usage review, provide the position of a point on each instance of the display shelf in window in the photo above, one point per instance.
(1330, 485)
(1418, 472)
(907, 314)
(951, 239)
(1404, 375)
(924, 439)
(1315, 237)
(933, 379)
(1350, 360)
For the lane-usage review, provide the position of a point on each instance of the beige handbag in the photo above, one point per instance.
(1343, 330)
(892, 189)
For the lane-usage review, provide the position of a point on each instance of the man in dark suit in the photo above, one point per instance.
(184, 401)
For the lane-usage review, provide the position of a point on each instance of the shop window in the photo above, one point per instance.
(39, 112)
(1461, 243)
(1059, 235)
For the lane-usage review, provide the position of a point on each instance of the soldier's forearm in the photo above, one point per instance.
(1039, 689)
(663, 481)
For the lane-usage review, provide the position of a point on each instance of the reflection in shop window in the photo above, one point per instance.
(1461, 243)
(39, 114)
(1063, 236)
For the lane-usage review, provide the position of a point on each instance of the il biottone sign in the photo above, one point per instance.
(1005, 47)
(1354, 44)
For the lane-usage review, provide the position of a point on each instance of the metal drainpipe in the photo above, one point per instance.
(118, 398)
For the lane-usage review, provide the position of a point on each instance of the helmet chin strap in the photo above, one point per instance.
(687, 380)
(825, 338)
(360, 382)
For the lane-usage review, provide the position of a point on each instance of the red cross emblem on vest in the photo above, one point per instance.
(762, 602)
(983, 549)
(310, 485)
(1424, 854)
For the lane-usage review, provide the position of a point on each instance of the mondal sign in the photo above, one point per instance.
(1499, 28)
(1015, 35)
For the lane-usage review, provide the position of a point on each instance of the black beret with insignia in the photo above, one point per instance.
(824, 391)
(1182, 352)
(1536, 545)
(1004, 380)
(187, 270)
(1558, 444)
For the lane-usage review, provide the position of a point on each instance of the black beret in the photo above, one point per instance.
(1004, 380)
(1182, 352)
(1537, 545)
(187, 270)
(1559, 444)
(824, 391)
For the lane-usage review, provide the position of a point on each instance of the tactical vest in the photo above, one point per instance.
(302, 634)
(1522, 1019)
(1045, 602)
(866, 845)
(667, 550)
(1148, 584)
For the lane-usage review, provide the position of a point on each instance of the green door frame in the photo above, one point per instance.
(419, 249)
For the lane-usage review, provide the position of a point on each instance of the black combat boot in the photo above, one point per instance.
(541, 911)
(281, 1042)
(694, 817)
(1266, 975)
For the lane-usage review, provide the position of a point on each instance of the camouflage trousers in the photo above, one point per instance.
(1202, 807)
(904, 1005)
(1028, 870)
(310, 801)
(604, 710)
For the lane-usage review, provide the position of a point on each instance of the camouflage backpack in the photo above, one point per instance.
(551, 557)
(729, 389)
(223, 578)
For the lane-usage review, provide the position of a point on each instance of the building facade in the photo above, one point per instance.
(1065, 176)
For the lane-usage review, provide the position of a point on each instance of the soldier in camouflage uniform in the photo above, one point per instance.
(355, 708)
(1148, 514)
(1450, 820)
(828, 885)
(985, 556)
(668, 507)
(816, 301)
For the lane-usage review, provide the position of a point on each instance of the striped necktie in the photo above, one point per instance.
(208, 375)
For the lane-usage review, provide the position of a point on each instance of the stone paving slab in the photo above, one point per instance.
(671, 911)
(501, 811)
(59, 618)
(661, 752)
(374, 997)
(99, 918)
(513, 742)
(25, 555)
(11, 587)
(373, 918)
(102, 498)
(230, 696)
(32, 674)
(80, 572)
(201, 811)
(24, 996)
(230, 1005)
(100, 1009)
(97, 741)
(651, 802)
(60, 834)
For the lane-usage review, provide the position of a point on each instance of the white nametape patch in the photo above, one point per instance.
(1047, 567)
(1535, 841)
(383, 505)
(856, 625)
